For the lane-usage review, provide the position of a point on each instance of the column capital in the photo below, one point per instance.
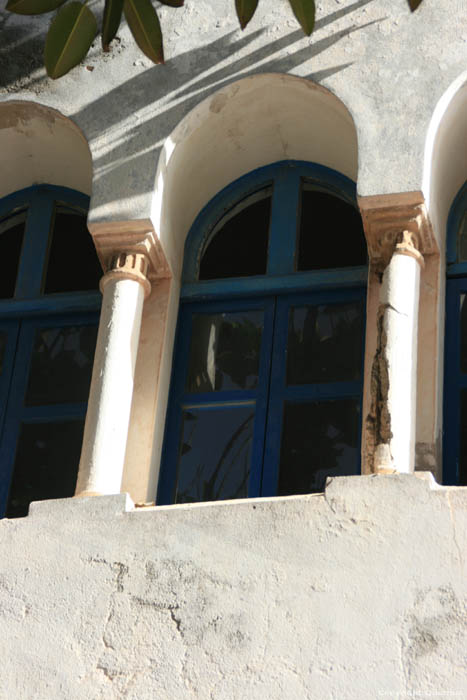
(397, 223)
(113, 238)
(407, 243)
(129, 266)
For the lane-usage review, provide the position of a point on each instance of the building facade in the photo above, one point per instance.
(246, 454)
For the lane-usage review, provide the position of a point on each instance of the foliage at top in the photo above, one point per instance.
(74, 26)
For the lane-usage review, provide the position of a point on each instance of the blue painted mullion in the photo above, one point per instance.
(351, 278)
(35, 247)
(80, 302)
(220, 397)
(284, 222)
(276, 400)
(11, 328)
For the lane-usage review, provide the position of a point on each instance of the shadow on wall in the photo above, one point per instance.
(134, 133)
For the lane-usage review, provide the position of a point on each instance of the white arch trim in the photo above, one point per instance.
(251, 123)
(445, 158)
(39, 145)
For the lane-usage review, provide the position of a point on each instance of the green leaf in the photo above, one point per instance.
(413, 4)
(173, 3)
(145, 27)
(69, 37)
(245, 11)
(32, 7)
(304, 11)
(112, 15)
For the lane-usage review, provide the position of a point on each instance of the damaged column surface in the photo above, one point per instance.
(398, 232)
(398, 327)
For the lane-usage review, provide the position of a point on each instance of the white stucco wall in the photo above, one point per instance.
(358, 593)
(388, 66)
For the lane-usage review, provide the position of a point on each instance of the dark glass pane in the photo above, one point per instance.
(3, 340)
(11, 241)
(61, 365)
(330, 232)
(462, 240)
(239, 242)
(325, 343)
(463, 334)
(224, 352)
(73, 265)
(463, 440)
(319, 439)
(46, 464)
(214, 457)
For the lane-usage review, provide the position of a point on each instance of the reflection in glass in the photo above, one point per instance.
(11, 241)
(319, 439)
(46, 464)
(224, 352)
(238, 245)
(70, 233)
(462, 240)
(331, 232)
(325, 343)
(214, 458)
(3, 339)
(61, 365)
(463, 440)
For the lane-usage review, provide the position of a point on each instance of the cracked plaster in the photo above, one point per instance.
(343, 595)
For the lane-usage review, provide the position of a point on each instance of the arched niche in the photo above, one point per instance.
(251, 123)
(445, 166)
(40, 145)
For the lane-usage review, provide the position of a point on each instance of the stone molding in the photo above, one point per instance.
(129, 266)
(397, 223)
(130, 237)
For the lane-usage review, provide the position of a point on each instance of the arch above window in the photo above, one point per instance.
(284, 218)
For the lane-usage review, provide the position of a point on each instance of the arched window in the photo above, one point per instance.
(49, 304)
(267, 378)
(455, 351)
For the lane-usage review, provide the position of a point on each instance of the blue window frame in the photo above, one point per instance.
(48, 329)
(455, 376)
(247, 406)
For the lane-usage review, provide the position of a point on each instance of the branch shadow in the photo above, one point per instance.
(134, 134)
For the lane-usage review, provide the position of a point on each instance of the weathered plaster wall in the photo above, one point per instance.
(356, 594)
(39, 145)
(389, 68)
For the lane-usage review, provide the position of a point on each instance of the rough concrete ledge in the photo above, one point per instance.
(95, 507)
(348, 491)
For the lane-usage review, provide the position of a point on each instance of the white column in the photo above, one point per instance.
(399, 303)
(124, 288)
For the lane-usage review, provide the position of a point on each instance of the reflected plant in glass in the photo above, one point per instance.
(225, 351)
(214, 459)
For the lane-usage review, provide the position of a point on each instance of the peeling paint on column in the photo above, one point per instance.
(378, 420)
